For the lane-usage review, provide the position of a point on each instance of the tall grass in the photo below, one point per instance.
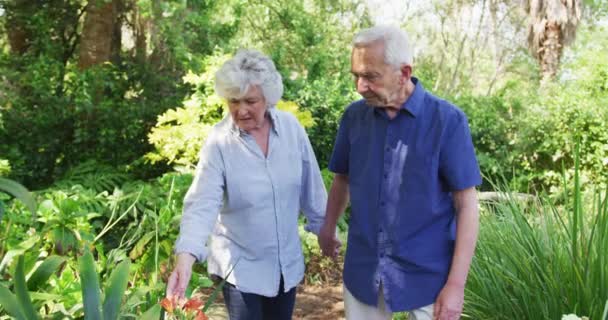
(542, 260)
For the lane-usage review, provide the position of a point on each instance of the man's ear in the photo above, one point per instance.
(405, 73)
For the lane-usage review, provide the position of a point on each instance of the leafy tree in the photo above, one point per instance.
(79, 104)
(309, 41)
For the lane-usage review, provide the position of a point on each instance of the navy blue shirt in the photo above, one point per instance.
(401, 173)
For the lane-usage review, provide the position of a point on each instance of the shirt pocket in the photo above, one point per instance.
(361, 157)
(288, 169)
(242, 184)
(420, 174)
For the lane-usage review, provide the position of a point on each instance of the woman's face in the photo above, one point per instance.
(249, 110)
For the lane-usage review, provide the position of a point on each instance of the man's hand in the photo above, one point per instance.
(329, 243)
(449, 303)
(179, 278)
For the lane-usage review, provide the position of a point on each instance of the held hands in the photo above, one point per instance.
(449, 302)
(179, 278)
(329, 243)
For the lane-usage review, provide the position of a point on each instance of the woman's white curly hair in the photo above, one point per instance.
(249, 67)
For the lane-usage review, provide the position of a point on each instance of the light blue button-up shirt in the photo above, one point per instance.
(247, 205)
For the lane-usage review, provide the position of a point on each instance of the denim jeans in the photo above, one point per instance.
(249, 306)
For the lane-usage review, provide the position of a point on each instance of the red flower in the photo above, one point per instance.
(168, 305)
(201, 316)
(193, 304)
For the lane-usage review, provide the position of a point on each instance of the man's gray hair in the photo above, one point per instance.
(247, 68)
(397, 49)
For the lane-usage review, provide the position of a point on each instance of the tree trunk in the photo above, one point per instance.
(15, 24)
(550, 52)
(97, 34)
(141, 25)
(17, 39)
(116, 47)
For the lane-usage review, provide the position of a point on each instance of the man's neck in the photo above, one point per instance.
(405, 93)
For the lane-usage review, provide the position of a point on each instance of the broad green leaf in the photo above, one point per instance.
(9, 302)
(117, 284)
(139, 248)
(21, 291)
(19, 192)
(45, 296)
(90, 286)
(44, 272)
(20, 249)
(152, 313)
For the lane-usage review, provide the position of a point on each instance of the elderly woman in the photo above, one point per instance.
(257, 170)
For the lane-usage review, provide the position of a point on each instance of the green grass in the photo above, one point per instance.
(542, 260)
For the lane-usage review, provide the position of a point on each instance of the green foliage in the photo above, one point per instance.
(310, 245)
(44, 271)
(20, 303)
(179, 133)
(326, 100)
(527, 136)
(102, 113)
(116, 286)
(67, 220)
(98, 177)
(543, 260)
(18, 191)
(5, 167)
(304, 117)
(546, 135)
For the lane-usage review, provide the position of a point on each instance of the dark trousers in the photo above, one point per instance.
(249, 306)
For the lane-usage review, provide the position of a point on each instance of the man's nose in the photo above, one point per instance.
(362, 85)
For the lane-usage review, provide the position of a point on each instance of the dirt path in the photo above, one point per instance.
(313, 302)
(319, 303)
(316, 300)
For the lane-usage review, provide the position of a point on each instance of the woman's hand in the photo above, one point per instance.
(179, 278)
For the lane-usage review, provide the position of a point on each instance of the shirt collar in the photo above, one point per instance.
(274, 123)
(413, 104)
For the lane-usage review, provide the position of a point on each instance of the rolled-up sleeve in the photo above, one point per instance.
(313, 196)
(202, 202)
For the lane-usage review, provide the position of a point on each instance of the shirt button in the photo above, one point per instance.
(381, 254)
(382, 203)
(385, 175)
(388, 149)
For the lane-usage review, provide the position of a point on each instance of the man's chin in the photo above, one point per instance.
(373, 102)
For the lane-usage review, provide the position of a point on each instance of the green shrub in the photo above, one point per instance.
(5, 168)
(541, 261)
(326, 99)
(493, 133)
(102, 113)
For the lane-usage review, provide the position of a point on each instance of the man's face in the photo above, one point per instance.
(248, 111)
(378, 82)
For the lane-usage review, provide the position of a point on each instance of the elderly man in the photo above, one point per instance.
(406, 159)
